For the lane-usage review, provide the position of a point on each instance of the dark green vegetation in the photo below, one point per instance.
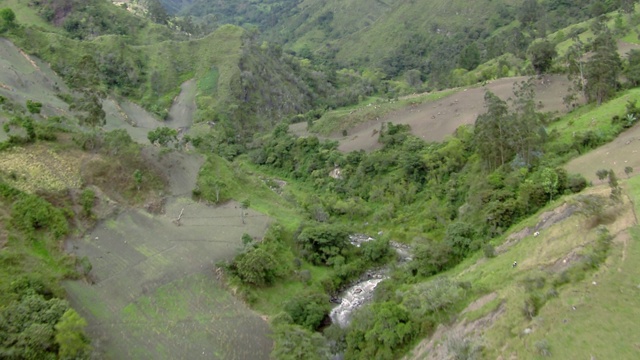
(34, 320)
(453, 201)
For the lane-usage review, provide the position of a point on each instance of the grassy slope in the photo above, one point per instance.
(418, 17)
(606, 301)
(590, 317)
(595, 118)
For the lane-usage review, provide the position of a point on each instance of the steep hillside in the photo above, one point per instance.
(432, 37)
(241, 83)
(561, 276)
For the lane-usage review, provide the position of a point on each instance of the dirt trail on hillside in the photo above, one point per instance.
(435, 120)
(184, 107)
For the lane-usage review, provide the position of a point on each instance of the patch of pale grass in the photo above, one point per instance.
(39, 168)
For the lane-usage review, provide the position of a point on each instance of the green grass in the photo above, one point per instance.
(209, 82)
(26, 14)
(180, 308)
(594, 118)
(605, 311)
(241, 181)
(39, 259)
(270, 300)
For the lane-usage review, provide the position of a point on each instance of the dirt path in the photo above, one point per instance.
(435, 120)
(184, 106)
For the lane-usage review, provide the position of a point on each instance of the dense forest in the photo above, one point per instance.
(260, 67)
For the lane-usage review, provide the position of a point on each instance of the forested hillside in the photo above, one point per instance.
(431, 38)
(201, 201)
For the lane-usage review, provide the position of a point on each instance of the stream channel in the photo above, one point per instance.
(362, 291)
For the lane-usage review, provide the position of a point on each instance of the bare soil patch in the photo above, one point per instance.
(624, 48)
(622, 152)
(178, 168)
(435, 120)
(23, 77)
(184, 106)
(481, 302)
(153, 292)
(130, 117)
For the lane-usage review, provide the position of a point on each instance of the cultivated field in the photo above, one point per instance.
(155, 292)
(434, 120)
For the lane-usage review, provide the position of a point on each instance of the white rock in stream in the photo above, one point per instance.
(353, 298)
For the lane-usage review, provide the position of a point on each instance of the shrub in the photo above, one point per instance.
(376, 250)
(246, 239)
(257, 267)
(31, 213)
(576, 183)
(462, 347)
(542, 348)
(432, 258)
(489, 251)
(294, 342)
(87, 199)
(308, 310)
(163, 136)
(323, 242)
(34, 107)
(435, 296)
(27, 327)
(378, 330)
(533, 302)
